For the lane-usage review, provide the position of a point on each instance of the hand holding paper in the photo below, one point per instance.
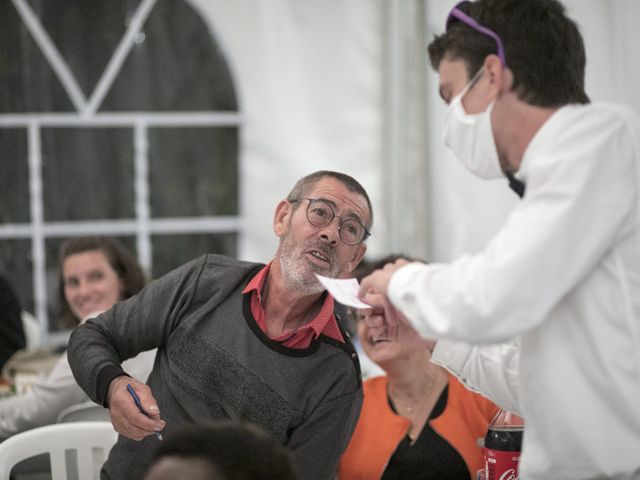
(344, 291)
(383, 319)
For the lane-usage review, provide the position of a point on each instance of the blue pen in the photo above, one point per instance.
(139, 405)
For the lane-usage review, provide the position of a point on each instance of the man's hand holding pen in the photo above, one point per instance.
(126, 417)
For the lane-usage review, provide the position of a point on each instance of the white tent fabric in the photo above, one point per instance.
(309, 84)
(314, 89)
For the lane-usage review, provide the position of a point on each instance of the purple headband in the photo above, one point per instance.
(466, 19)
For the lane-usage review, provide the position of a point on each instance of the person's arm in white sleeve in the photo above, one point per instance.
(578, 201)
(491, 370)
(44, 401)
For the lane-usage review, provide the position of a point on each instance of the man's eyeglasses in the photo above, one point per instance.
(467, 20)
(321, 214)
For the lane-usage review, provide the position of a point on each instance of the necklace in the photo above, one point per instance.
(415, 402)
(409, 406)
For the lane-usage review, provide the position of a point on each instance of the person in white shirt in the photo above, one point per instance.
(562, 276)
(94, 273)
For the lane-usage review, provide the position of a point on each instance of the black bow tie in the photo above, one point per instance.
(516, 185)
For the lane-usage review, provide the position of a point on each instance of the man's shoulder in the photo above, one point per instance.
(210, 273)
(610, 108)
(215, 261)
(216, 270)
(598, 114)
(581, 128)
(213, 266)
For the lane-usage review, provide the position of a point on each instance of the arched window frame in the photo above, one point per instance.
(88, 115)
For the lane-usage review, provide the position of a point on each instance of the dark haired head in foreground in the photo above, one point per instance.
(225, 450)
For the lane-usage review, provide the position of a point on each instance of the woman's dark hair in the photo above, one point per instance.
(368, 266)
(119, 257)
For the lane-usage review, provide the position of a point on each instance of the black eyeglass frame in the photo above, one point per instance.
(366, 235)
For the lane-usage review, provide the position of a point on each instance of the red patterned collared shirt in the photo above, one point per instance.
(324, 323)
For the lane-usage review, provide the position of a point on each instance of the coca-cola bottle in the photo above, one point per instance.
(502, 446)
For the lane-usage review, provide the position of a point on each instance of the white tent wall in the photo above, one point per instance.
(309, 82)
(344, 85)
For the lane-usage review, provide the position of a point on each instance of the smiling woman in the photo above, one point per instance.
(136, 93)
(95, 273)
(90, 284)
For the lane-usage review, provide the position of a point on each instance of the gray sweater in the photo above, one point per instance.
(214, 362)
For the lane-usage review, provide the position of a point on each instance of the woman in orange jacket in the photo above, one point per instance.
(417, 422)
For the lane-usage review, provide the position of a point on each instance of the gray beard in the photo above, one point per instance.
(299, 275)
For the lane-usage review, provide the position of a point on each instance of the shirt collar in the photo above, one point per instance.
(319, 322)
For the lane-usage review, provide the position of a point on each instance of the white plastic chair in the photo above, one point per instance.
(88, 442)
(84, 412)
(32, 330)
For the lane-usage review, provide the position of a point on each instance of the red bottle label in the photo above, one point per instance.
(501, 465)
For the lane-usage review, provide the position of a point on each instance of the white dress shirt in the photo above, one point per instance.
(563, 276)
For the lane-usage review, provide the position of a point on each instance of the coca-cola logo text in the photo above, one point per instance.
(509, 475)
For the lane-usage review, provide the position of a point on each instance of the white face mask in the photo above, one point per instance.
(470, 137)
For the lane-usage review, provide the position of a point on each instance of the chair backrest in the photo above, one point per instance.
(88, 442)
(84, 412)
(32, 330)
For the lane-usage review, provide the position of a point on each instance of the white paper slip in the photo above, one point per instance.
(344, 291)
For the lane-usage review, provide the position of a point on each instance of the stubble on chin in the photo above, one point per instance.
(299, 274)
(297, 278)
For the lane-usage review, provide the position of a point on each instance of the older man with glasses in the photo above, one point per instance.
(241, 340)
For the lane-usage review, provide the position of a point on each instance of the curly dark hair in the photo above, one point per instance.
(123, 262)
